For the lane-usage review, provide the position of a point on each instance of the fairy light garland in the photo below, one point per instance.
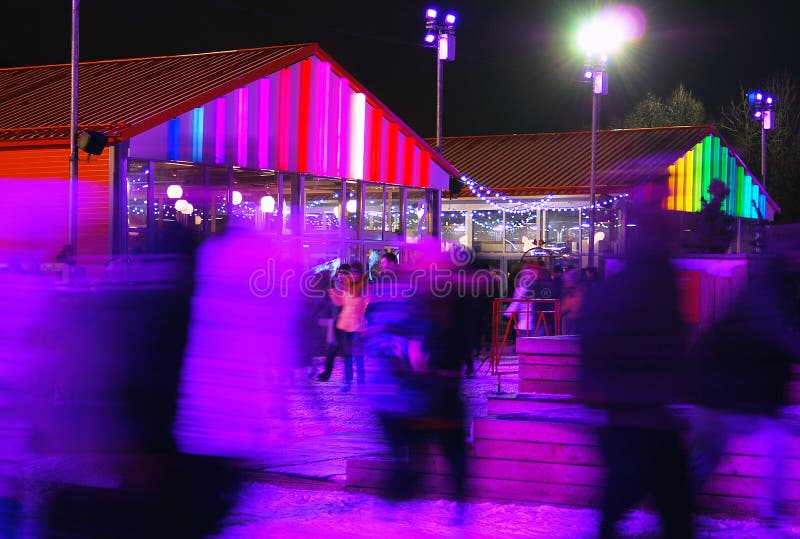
(505, 203)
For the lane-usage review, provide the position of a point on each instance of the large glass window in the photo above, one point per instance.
(215, 212)
(561, 231)
(487, 231)
(454, 227)
(179, 195)
(291, 210)
(137, 186)
(373, 211)
(254, 201)
(418, 215)
(323, 205)
(522, 231)
(352, 209)
(137, 189)
(394, 203)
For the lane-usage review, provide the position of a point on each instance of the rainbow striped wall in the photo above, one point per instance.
(691, 175)
(304, 118)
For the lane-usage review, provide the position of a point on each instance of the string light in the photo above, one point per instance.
(508, 204)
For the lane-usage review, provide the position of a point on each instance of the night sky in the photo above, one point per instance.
(517, 68)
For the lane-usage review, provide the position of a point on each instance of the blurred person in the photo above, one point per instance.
(742, 366)
(317, 319)
(632, 340)
(388, 263)
(353, 300)
(533, 283)
(572, 296)
(437, 354)
(334, 342)
(121, 473)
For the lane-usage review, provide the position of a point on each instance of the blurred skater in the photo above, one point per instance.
(742, 368)
(117, 377)
(632, 339)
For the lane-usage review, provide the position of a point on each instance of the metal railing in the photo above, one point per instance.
(544, 316)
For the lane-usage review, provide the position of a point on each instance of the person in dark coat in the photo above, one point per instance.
(632, 339)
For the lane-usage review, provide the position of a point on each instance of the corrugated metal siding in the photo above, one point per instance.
(119, 93)
(34, 206)
(560, 163)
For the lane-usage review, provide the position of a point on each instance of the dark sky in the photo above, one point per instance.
(517, 69)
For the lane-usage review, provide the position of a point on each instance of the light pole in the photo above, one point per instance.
(73, 137)
(441, 35)
(596, 73)
(603, 34)
(761, 109)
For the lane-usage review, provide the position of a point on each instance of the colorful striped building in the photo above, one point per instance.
(281, 139)
(531, 190)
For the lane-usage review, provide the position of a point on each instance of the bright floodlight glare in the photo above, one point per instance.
(769, 100)
(450, 18)
(610, 28)
(759, 96)
(431, 13)
(599, 37)
(588, 74)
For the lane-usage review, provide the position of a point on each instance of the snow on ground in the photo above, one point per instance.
(269, 511)
(319, 411)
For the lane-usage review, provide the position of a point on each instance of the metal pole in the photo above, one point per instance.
(439, 87)
(593, 180)
(763, 155)
(73, 136)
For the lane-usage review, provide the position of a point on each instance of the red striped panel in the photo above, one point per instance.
(408, 161)
(375, 145)
(394, 150)
(284, 116)
(425, 169)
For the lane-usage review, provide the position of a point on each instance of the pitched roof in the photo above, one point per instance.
(123, 98)
(117, 96)
(560, 163)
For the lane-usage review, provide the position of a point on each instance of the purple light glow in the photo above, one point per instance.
(431, 13)
(429, 37)
(241, 126)
(263, 122)
(450, 18)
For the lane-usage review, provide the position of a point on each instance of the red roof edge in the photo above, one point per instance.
(306, 51)
(436, 156)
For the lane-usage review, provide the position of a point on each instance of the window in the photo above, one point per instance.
(323, 205)
(418, 215)
(254, 200)
(373, 211)
(487, 231)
